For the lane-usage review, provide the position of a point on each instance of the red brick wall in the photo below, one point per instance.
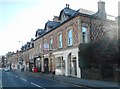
(72, 24)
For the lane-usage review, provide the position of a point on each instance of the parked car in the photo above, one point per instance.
(6, 69)
(1, 68)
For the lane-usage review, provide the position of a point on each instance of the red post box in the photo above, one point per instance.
(35, 69)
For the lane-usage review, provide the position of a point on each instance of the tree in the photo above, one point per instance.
(98, 53)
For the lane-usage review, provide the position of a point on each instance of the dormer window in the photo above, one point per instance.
(39, 33)
(50, 25)
(32, 44)
(66, 13)
(64, 17)
(48, 28)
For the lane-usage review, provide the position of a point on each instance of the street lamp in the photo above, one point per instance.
(21, 60)
(21, 42)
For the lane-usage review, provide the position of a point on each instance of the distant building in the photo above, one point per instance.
(0, 61)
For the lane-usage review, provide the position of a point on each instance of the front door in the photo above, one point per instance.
(46, 65)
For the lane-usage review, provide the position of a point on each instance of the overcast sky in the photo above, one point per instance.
(19, 19)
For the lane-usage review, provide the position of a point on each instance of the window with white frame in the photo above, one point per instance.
(84, 34)
(46, 46)
(70, 38)
(51, 42)
(60, 40)
(40, 46)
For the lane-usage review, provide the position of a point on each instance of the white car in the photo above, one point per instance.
(1, 69)
(6, 69)
(58, 72)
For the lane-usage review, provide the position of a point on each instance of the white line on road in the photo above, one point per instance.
(37, 85)
(1, 87)
(23, 79)
(16, 76)
(10, 73)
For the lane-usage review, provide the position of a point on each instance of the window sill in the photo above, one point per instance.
(69, 46)
(59, 48)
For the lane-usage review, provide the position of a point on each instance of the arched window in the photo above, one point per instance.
(84, 34)
(70, 38)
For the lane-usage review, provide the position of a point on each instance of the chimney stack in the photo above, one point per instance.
(101, 6)
(101, 9)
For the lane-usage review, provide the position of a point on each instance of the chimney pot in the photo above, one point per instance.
(68, 5)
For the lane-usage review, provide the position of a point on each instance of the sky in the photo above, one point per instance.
(19, 19)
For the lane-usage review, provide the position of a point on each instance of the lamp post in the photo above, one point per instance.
(17, 59)
(21, 58)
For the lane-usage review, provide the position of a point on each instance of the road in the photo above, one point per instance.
(17, 79)
(0, 77)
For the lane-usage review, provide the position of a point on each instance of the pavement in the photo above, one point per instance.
(97, 84)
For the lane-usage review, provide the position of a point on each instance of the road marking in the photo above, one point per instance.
(71, 84)
(23, 79)
(37, 85)
(1, 87)
(9, 73)
(16, 76)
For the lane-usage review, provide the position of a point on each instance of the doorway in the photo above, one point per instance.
(46, 65)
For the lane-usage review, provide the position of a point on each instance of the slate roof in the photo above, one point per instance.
(51, 24)
(55, 24)
(84, 11)
(28, 44)
(39, 32)
(71, 13)
(67, 11)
